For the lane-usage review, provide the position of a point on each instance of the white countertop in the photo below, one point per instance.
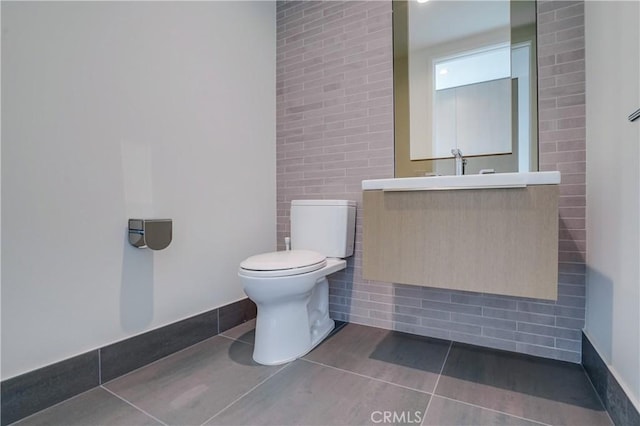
(496, 180)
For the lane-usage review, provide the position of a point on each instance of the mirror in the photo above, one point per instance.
(465, 78)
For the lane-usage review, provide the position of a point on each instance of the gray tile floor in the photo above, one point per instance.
(359, 376)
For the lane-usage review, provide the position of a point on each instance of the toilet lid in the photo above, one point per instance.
(295, 261)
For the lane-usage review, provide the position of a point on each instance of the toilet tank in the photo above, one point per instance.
(325, 226)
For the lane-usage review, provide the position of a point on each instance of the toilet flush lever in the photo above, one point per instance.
(287, 243)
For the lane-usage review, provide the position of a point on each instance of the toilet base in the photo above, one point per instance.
(327, 328)
(282, 348)
(321, 333)
(293, 313)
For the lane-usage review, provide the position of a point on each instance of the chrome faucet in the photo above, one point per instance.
(461, 162)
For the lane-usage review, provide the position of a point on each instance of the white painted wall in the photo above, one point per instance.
(114, 110)
(613, 187)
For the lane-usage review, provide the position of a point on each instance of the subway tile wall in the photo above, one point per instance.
(335, 128)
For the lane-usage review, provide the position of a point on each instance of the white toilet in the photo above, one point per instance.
(290, 287)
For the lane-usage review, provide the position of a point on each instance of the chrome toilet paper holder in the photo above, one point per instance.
(155, 234)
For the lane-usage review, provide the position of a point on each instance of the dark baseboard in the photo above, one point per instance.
(36, 390)
(615, 400)
(236, 313)
(125, 356)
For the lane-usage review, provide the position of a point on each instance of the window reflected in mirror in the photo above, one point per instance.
(471, 104)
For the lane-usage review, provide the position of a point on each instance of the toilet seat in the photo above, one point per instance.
(282, 263)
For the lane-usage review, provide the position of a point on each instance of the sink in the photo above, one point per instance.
(430, 183)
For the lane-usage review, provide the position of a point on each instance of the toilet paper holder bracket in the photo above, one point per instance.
(155, 234)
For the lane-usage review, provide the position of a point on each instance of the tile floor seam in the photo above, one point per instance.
(433, 392)
(495, 411)
(244, 394)
(470, 404)
(134, 406)
(364, 376)
(593, 386)
(99, 366)
(165, 357)
(234, 339)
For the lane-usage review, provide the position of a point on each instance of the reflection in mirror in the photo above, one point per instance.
(465, 78)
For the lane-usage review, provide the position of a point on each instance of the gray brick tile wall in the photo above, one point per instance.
(335, 128)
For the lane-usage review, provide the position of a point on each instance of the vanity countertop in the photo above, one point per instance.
(495, 180)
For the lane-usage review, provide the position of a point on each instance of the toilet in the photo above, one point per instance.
(290, 287)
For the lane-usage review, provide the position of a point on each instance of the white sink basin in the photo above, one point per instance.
(497, 180)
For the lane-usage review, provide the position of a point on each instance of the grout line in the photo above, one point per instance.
(364, 376)
(446, 358)
(99, 366)
(233, 339)
(433, 393)
(245, 394)
(468, 403)
(495, 411)
(133, 405)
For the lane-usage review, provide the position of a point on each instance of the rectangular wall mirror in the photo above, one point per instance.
(465, 78)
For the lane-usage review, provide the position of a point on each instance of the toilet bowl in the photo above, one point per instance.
(290, 288)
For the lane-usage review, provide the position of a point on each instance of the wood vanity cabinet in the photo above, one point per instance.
(500, 241)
